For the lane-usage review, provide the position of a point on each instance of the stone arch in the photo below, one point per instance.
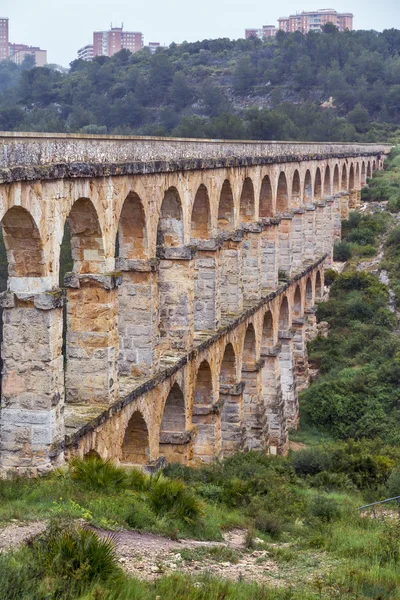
(135, 445)
(318, 184)
(132, 242)
(247, 202)
(268, 338)
(336, 183)
(23, 243)
(227, 374)
(318, 286)
(309, 293)
(327, 182)
(92, 454)
(170, 232)
(226, 219)
(201, 216)
(284, 315)
(351, 177)
(307, 186)
(87, 245)
(344, 179)
(174, 417)
(296, 189)
(266, 208)
(297, 303)
(282, 198)
(249, 355)
(204, 416)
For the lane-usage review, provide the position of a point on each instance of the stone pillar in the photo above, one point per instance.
(344, 206)
(311, 329)
(208, 441)
(176, 287)
(251, 262)
(310, 242)
(255, 418)
(298, 238)
(269, 256)
(32, 407)
(353, 199)
(285, 247)
(207, 304)
(300, 354)
(329, 226)
(337, 219)
(138, 317)
(288, 382)
(231, 281)
(232, 429)
(320, 229)
(177, 446)
(278, 442)
(92, 339)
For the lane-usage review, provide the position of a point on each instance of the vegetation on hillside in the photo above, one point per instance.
(220, 88)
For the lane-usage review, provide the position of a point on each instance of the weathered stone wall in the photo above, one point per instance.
(191, 298)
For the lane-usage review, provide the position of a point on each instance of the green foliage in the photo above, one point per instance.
(310, 461)
(324, 508)
(98, 474)
(341, 251)
(173, 498)
(330, 276)
(393, 484)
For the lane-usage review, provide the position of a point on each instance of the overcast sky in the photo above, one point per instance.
(63, 26)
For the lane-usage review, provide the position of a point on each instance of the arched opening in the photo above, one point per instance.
(249, 348)
(327, 182)
(174, 411)
(318, 185)
(297, 303)
(307, 187)
(309, 294)
(369, 173)
(204, 416)
(296, 190)
(247, 204)
(228, 367)
(284, 315)
(23, 244)
(282, 199)
(226, 208)
(266, 199)
(170, 224)
(201, 218)
(351, 177)
(86, 238)
(135, 447)
(344, 178)
(318, 286)
(132, 232)
(267, 340)
(336, 184)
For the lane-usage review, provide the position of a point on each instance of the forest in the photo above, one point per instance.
(330, 86)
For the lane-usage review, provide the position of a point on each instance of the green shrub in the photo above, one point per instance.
(328, 481)
(269, 523)
(341, 251)
(137, 480)
(310, 461)
(393, 484)
(98, 474)
(330, 276)
(172, 497)
(324, 508)
(140, 516)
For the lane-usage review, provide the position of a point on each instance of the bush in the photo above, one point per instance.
(330, 276)
(172, 497)
(393, 484)
(341, 251)
(98, 474)
(268, 523)
(324, 508)
(310, 461)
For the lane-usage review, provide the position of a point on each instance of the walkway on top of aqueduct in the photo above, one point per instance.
(196, 268)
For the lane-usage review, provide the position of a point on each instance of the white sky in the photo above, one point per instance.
(63, 26)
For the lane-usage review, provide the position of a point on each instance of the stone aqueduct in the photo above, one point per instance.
(196, 269)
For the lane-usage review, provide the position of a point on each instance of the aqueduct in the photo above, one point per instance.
(180, 330)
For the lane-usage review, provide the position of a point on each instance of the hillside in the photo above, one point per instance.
(220, 88)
